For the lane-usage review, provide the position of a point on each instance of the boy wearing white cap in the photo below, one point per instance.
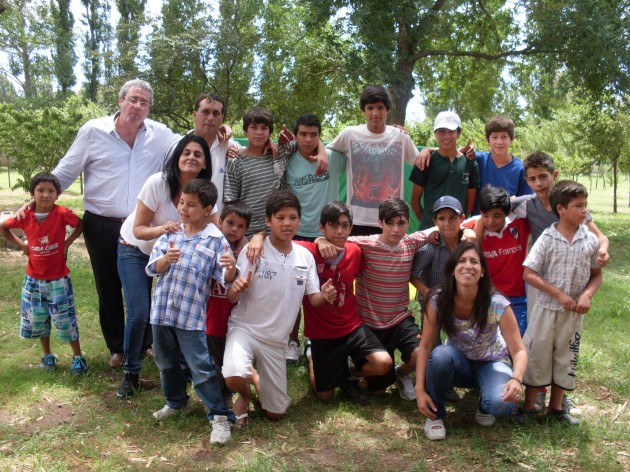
(449, 172)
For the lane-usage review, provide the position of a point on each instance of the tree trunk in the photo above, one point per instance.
(401, 91)
(615, 185)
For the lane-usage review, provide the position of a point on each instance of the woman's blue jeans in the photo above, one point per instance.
(449, 367)
(136, 284)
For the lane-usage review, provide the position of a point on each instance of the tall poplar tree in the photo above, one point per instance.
(97, 44)
(128, 37)
(63, 53)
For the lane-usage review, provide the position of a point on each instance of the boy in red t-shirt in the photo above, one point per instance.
(335, 330)
(47, 290)
(233, 222)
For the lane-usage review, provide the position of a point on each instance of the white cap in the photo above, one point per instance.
(448, 120)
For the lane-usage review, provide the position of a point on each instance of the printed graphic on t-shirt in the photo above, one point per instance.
(44, 248)
(376, 171)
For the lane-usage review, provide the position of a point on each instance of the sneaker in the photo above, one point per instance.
(292, 353)
(524, 416)
(353, 391)
(48, 363)
(167, 412)
(221, 430)
(79, 366)
(406, 390)
(569, 407)
(484, 419)
(434, 430)
(541, 399)
(307, 348)
(129, 386)
(562, 416)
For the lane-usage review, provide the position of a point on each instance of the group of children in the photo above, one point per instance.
(211, 298)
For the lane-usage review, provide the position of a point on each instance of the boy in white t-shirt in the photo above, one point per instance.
(269, 294)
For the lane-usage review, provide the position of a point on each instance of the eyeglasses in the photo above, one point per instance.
(138, 101)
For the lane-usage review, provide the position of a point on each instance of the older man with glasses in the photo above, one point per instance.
(117, 154)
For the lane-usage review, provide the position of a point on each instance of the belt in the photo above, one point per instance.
(111, 218)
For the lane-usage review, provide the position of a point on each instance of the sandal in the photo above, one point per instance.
(241, 421)
(434, 429)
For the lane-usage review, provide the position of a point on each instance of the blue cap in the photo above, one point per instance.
(448, 202)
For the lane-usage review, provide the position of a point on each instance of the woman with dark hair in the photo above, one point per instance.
(484, 348)
(155, 214)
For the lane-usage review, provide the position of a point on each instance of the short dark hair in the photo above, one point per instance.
(375, 94)
(332, 212)
(239, 208)
(307, 120)
(205, 191)
(564, 192)
(258, 116)
(282, 199)
(500, 123)
(210, 97)
(171, 168)
(539, 159)
(44, 177)
(392, 207)
(494, 197)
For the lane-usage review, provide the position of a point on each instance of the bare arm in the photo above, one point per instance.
(430, 331)
(416, 195)
(142, 228)
(603, 258)
(239, 286)
(171, 257)
(584, 300)
(12, 238)
(76, 232)
(326, 294)
(509, 330)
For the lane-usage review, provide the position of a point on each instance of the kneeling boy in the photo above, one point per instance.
(335, 330)
(269, 294)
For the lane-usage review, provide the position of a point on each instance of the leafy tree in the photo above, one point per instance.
(414, 35)
(128, 37)
(97, 44)
(37, 139)
(63, 53)
(25, 38)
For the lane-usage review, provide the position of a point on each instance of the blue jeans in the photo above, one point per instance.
(167, 342)
(449, 367)
(137, 289)
(519, 307)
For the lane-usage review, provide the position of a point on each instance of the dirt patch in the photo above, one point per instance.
(48, 414)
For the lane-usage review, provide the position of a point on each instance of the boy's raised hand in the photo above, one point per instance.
(224, 134)
(227, 259)
(469, 150)
(327, 249)
(241, 284)
(328, 291)
(423, 158)
(285, 136)
(173, 253)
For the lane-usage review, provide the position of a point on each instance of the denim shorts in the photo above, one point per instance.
(43, 300)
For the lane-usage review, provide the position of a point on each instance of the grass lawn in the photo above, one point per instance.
(53, 422)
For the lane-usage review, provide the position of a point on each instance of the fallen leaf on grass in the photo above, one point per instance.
(623, 453)
(525, 466)
(620, 411)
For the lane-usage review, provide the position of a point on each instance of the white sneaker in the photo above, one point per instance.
(221, 430)
(569, 407)
(292, 353)
(541, 399)
(406, 390)
(434, 430)
(484, 419)
(167, 412)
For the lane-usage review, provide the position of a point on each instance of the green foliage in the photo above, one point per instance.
(64, 55)
(128, 37)
(35, 140)
(97, 45)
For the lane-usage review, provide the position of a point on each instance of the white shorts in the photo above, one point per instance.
(241, 350)
(552, 341)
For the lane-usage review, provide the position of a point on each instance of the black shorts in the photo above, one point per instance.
(216, 348)
(402, 337)
(330, 356)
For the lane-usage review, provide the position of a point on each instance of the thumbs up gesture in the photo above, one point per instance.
(227, 259)
(241, 284)
(173, 253)
(328, 291)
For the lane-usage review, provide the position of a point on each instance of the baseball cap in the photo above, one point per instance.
(448, 120)
(448, 202)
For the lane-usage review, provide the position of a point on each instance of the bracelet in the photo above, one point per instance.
(514, 378)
